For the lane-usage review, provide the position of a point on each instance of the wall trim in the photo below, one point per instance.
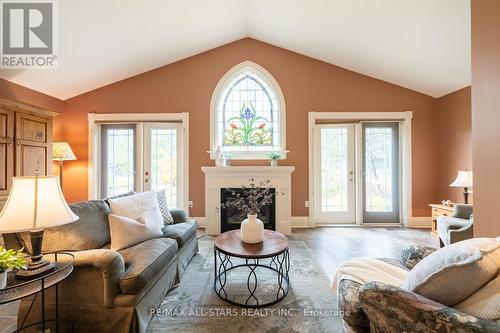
(421, 222)
(94, 136)
(219, 88)
(302, 222)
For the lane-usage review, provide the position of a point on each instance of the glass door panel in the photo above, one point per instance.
(162, 160)
(118, 164)
(334, 174)
(380, 171)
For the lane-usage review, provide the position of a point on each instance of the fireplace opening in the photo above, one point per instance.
(231, 217)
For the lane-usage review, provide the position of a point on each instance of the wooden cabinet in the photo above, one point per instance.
(6, 150)
(33, 145)
(439, 210)
(25, 143)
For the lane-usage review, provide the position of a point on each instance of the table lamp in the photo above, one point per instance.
(35, 203)
(464, 179)
(61, 151)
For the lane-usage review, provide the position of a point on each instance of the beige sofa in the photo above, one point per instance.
(111, 291)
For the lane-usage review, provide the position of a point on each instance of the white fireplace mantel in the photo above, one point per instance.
(217, 178)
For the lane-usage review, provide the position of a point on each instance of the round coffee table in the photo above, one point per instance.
(274, 247)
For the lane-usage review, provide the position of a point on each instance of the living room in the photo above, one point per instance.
(265, 166)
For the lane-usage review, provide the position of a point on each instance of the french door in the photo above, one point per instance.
(380, 172)
(334, 174)
(356, 173)
(142, 157)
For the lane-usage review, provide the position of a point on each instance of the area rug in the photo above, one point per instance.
(194, 307)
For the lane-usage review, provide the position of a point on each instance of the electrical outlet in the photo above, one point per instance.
(190, 203)
(306, 203)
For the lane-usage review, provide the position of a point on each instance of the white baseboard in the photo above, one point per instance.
(419, 222)
(300, 222)
(297, 221)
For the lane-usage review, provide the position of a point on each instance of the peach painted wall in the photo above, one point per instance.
(307, 84)
(486, 116)
(454, 137)
(15, 92)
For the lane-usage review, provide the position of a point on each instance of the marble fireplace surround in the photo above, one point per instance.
(235, 176)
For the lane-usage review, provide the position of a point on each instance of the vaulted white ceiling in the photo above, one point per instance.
(423, 45)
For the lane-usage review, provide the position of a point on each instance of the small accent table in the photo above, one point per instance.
(273, 247)
(17, 289)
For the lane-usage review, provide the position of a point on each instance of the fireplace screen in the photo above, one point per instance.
(231, 218)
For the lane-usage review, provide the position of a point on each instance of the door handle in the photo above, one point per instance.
(9, 140)
(18, 141)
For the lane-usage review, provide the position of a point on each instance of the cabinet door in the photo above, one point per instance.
(33, 145)
(6, 150)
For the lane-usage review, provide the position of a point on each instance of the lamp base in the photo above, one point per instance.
(38, 266)
(466, 195)
(36, 270)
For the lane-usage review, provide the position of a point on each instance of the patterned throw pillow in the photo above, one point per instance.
(165, 212)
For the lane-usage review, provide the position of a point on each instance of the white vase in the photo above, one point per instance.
(252, 230)
(274, 163)
(3, 280)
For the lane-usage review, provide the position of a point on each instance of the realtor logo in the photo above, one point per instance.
(28, 31)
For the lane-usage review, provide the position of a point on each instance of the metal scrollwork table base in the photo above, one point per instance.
(274, 247)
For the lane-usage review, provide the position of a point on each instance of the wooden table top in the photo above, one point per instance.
(441, 206)
(230, 243)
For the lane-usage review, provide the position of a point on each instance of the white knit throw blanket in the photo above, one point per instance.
(364, 270)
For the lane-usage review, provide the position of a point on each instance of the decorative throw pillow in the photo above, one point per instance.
(165, 212)
(126, 232)
(135, 205)
(453, 273)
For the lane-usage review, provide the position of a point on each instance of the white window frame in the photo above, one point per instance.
(94, 145)
(405, 140)
(271, 81)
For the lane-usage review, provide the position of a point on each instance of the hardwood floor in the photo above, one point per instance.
(330, 246)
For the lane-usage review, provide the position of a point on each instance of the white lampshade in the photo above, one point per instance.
(464, 179)
(35, 203)
(61, 151)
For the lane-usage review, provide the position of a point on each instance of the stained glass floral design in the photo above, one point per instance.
(248, 115)
(248, 128)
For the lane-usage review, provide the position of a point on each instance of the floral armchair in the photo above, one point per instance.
(376, 307)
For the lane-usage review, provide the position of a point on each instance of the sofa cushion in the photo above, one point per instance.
(165, 212)
(135, 205)
(91, 231)
(144, 261)
(126, 232)
(181, 232)
(453, 273)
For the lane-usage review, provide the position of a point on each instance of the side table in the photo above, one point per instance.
(437, 211)
(18, 289)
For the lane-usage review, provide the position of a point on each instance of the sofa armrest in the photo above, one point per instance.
(179, 215)
(104, 263)
(411, 255)
(391, 309)
(457, 235)
(462, 211)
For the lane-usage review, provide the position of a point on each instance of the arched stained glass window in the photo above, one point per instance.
(248, 113)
